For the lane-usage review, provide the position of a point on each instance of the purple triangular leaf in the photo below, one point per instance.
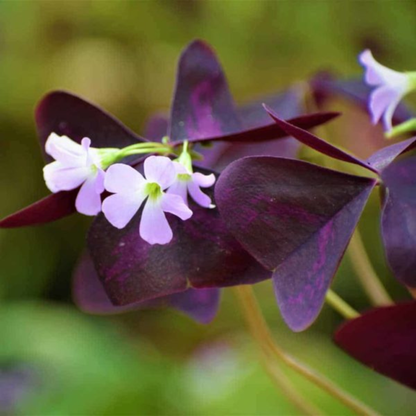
(200, 304)
(384, 339)
(51, 208)
(287, 104)
(316, 143)
(271, 131)
(356, 90)
(156, 127)
(296, 219)
(66, 114)
(89, 295)
(383, 157)
(202, 104)
(398, 220)
(202, 254)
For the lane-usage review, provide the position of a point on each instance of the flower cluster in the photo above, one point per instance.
(163, 189)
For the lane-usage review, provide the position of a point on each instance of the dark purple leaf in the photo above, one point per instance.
(89, 295)
(67, 114)
(202, 104)
(296, 219)
(316, 143)
(384, 339)
(287, 104)
(383, 157)
(271, 131)
(356, 90)
(51, 208)
(398, 220)
(156, 127)
(200, 304)
(202, 254)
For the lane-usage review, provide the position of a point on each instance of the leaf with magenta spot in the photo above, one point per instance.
(88, 292)
(384, 339)
(296, 219)
(398, 220)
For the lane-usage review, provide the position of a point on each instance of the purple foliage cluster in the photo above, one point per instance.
(276, 218)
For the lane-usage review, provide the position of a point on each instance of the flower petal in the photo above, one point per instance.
(175, 205)
(161, 170)
(179, 188)
(377, 74)
(65, 150)
(119, 209)
(154, 227)
(88, 201)
(204, 181)
(58, 177)
(380, 99)
(122, 178)
(198, 196)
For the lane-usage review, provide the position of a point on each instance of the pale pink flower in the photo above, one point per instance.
(76, 165)
(188, 182)
(131, 189)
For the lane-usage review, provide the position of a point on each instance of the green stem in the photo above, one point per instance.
(284, 384)
(340, 305)
(262, 335)
(406, 127)
(366, 273)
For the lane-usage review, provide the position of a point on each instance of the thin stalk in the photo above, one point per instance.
(340, 305)
(284, 384)
(262, 335)
(366, 273)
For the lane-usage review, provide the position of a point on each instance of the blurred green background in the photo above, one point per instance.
(122, 55)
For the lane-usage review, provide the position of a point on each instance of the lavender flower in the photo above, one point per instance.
(130, 189)
(391, 87)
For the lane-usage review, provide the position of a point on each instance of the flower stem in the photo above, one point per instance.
(285, 384)
(262, 335)
(365, 272)
(340, 305)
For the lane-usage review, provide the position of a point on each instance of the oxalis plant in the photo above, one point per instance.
(215, 196)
